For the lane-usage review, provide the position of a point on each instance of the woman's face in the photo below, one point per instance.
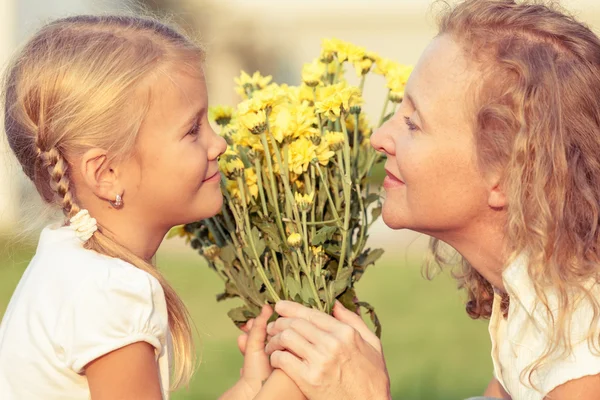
(433, 183)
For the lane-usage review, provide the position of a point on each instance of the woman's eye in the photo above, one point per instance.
(194, 130)
(411, 125)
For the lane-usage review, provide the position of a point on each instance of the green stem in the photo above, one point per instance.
(363, 228)
(259, 182)
(275, 202)
(362, 84)
(347, 197)
(313, 229)
(310, 281)
(355, 143)
(385, 106)
(331, 203)
(318, 115)
(305, 232)
(259, 265)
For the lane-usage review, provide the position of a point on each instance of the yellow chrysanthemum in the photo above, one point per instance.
(180, 231)
(396, 78)
(251, 181)
(312, 73)
(255, 122)
(363, 66)
(335, 140)
(233, 168)
(301, 153)
(246, 82)
(222, 115)
(324, 153)
(344, 51)
(384, 65)
(336, 99)
(269, 97)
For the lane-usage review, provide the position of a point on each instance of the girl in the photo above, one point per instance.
(108, 118)
(494, 151)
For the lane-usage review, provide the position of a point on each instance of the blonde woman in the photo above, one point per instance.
(495, 152)
(108, 118)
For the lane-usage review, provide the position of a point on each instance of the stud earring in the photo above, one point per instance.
(118, 203)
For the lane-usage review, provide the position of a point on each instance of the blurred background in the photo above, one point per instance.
(434, 350)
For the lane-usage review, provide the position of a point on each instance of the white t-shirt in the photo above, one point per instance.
(521, 339)
(72, 306)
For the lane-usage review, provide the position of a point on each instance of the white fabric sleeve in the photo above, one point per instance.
(120, 306)
(582, 361)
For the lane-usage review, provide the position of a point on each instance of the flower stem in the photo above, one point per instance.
(259, 265)
(362, 83)
(331, 203)
(261, 192)
(263, 139)
(346, 181)
(318, 115)
(385, 106)
(311, 282)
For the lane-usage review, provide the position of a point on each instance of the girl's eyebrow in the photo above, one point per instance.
(194, 117)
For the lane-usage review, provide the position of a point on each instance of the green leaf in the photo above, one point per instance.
(369, 257)
(240, 315)
(374, 319)
(348, 300)
(324, 234)
(307, 294)
(228, 254)
(293, 286)
(375, 213)
(270, 233)
(343, 281)
(371, 198)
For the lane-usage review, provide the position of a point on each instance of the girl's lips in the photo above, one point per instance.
(391, 181)
(216, 177)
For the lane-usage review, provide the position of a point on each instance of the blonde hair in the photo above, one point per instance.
(537, 119)
(78, 84)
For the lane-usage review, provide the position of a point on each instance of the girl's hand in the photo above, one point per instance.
(328, 358)
(256, 369)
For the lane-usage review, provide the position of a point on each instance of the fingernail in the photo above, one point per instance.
(281, 305)
(269, 326)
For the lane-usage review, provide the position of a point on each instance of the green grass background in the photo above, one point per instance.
(434, 351)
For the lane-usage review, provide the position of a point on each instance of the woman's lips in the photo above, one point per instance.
(391, 181)
(216, 177)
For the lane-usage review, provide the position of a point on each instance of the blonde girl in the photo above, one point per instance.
(108, 118)
(494, 151)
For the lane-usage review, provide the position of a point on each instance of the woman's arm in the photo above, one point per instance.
(586, 388)
(496, 390)
(129, 373)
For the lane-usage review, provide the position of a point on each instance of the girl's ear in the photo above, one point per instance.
(100, 177)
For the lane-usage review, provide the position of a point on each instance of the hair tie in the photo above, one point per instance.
(83, 225)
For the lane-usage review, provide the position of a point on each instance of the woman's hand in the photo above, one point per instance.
(328, 358)
(256, 369)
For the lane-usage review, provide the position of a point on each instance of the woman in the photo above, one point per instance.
(494, 151)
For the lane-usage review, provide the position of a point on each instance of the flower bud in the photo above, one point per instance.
(294, 240)
(304, 202)
(234, 168)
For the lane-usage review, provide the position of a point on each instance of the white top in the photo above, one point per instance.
(521, 339)
(72, 306)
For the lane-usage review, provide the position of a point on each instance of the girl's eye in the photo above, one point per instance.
(194, 130)
(411, 125)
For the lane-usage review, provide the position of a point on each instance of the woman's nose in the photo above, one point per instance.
(381, 140)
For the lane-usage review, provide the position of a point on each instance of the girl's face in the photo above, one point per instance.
(174, 177)
(433, 182)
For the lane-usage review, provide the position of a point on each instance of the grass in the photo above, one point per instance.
(433, 350)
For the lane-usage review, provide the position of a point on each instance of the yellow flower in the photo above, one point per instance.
(336, 99)
(221, 114)
(363, 66)
(251, 182)
(301, 153)
(324, 153)
(269, 96)
(384, 65)
(396, 78)
(248, 83)
(232, 167)
(255, 122)
(294, 240)
(305, 201)
(312, 73)
(335, 140)
(180, 231)
(344, 51)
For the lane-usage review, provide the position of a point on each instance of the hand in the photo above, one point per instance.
(328, 358)
(256, 368)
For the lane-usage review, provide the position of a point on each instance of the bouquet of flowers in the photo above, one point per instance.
(296, 183)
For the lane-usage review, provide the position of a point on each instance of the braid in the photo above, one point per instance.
(57, 168)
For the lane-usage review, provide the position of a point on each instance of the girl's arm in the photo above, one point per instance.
(130, 372)
(496, 390)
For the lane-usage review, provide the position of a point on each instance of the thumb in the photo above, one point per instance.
(242, 340)
(258, 333)
(348, 317)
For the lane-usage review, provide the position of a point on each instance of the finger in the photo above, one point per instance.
(258, 333)
(346, 316)
(309, 331)
(290, 364)
(242, 340)
(247, 326)
(321, 320)
(292, 341)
